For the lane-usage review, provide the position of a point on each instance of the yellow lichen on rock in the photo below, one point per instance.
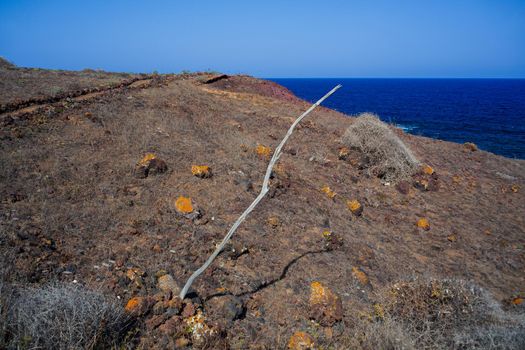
(470, 146)
(201, 171)
(318, 292)
(301, 341)
(263, 150)
(424, 224)
(328, 191)
(427, 169)
(343, 153)
(327, 234)
(325, 306)
(354, 206)
(273, 221)
(183, 205)
(360, 276)
(146, 159)
(132, 304)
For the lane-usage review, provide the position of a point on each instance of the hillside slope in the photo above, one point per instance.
(75, 207)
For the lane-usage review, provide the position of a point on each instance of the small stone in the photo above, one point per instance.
(157, 166)
(226, 307)
(263, 151)
(202, 171)
(328, 191)
(427, 169)
(166, 283)
(360, 276)
(452, 238)
(403, 187)
(355, 207)
(469, 146)
(343, 153)
(273, 221)
(139, 306)
(301, 341)
(325, 306)
(183, 205)
(423, 224)
(189, 310)
(150, 165)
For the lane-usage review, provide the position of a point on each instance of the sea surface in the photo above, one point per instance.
(488, 112)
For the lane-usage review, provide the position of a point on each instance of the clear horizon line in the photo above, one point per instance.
(430, 77)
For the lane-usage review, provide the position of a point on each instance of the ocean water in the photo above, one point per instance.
(488, 112)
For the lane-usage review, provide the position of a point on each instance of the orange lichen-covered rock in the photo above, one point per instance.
(325, 306)
(469, 146)
(183, 205)
(424, 224)
(343, 153)
(202, 171)
(150, 165)
(515, 188)
(355, 207)
(328, 191)
(517, 301)
(301, 341)
(360, 276)
(146, 159)
(274, 221)
(427, 169)
(139, 305)
(263, 151)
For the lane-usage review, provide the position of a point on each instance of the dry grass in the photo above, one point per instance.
(438, 314)
(65, 317)
(385, 155)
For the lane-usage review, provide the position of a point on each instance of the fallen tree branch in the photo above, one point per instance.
(261, 195)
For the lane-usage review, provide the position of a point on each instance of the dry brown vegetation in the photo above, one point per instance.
(73, 208)
(65, 317)
(385, 155)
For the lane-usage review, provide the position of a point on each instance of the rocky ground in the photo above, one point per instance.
(97, 189)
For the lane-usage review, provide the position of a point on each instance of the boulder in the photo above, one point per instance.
(325, 305)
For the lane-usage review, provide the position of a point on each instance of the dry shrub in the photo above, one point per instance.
(65, 317)
(385, 155)
(5, 302)
(443, 314)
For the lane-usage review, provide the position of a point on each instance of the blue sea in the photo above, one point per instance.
(488, 112)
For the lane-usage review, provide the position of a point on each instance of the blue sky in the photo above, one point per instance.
(447, 38)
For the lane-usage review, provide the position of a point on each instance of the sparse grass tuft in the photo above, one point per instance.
(65, 317)
(439, 314)
(385, 155)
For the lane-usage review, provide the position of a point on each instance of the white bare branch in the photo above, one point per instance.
(261, 195)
